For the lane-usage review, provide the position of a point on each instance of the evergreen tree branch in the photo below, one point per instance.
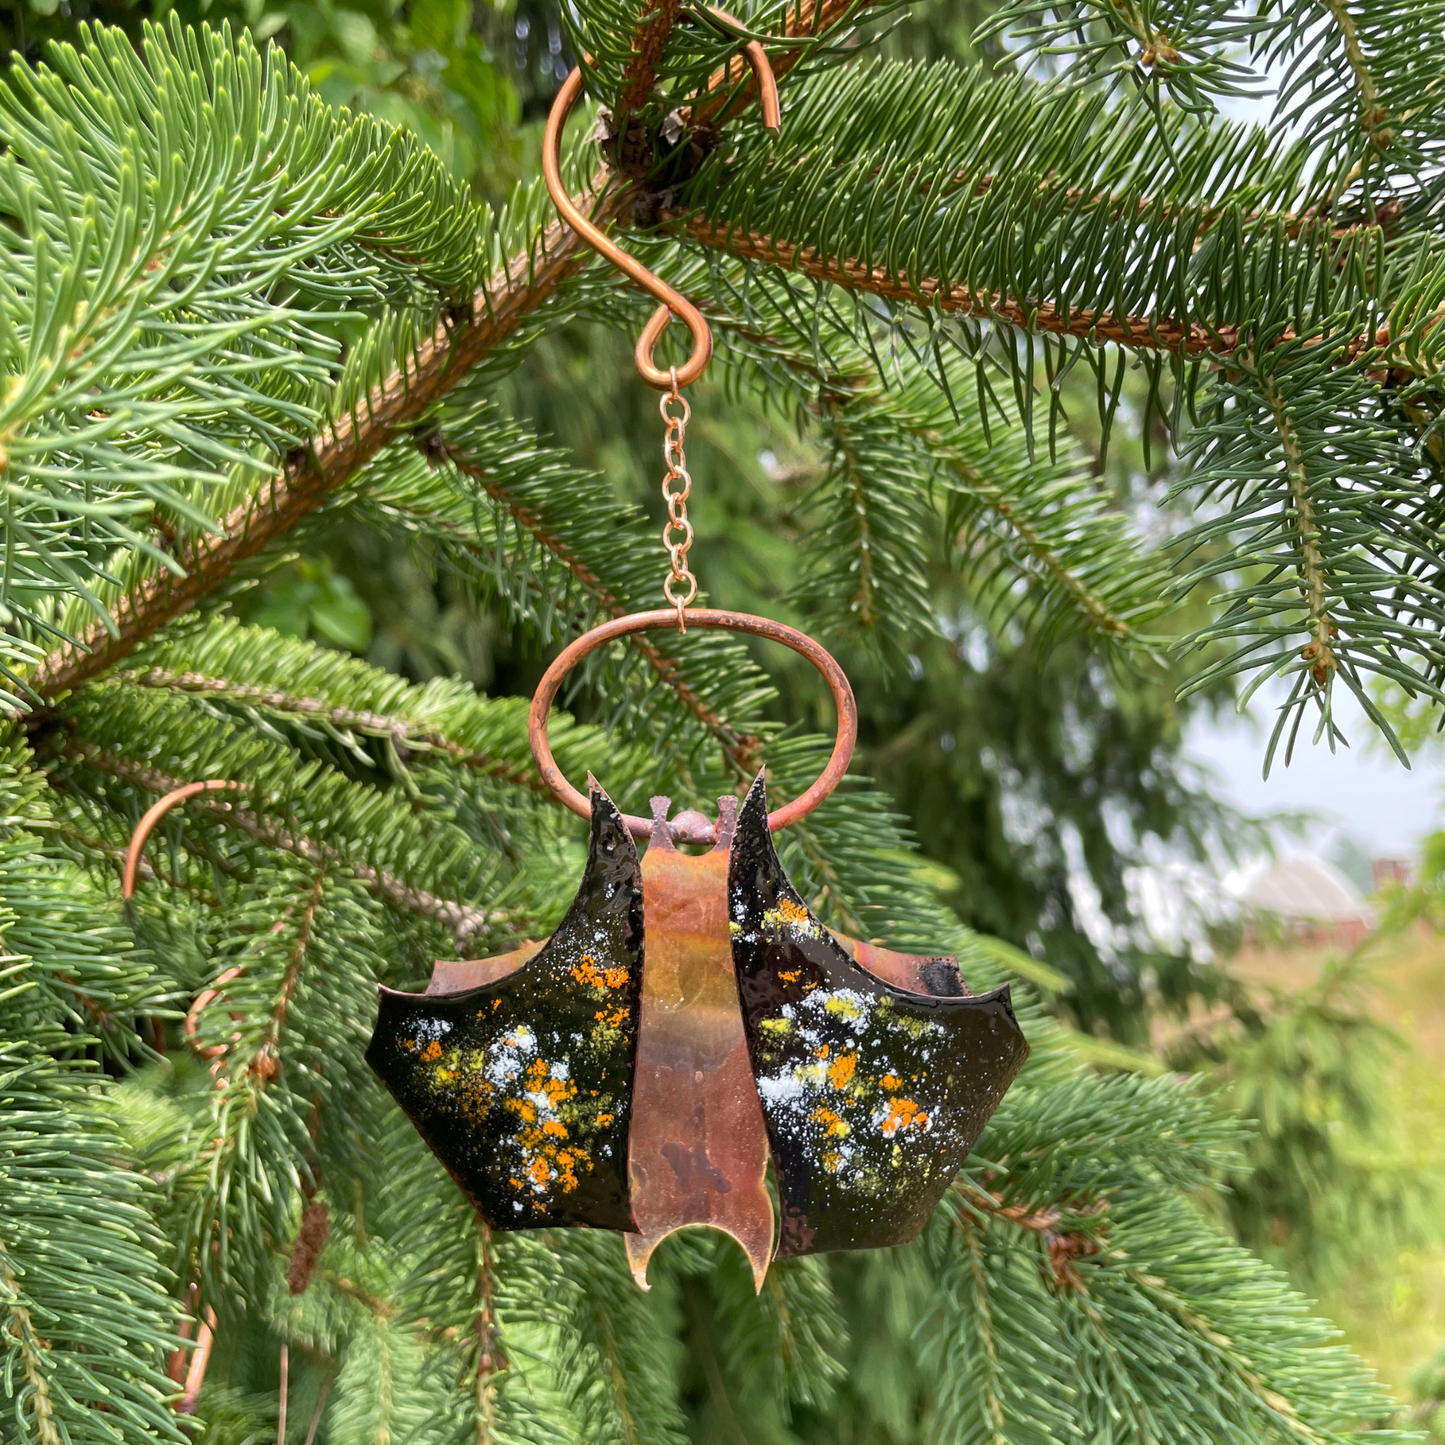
(498, 312)
(466, 922)
(399, 731)
(1318, 651)
(1037, 538)
(1373, 115)
(1137, 332)
(742, 749)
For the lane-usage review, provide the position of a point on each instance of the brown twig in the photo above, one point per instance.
(1063, 1246)
(399, 731)
(196, 1374)
(491, 1360)
(465, 921)
(321, 1399)
(1139, 332)
(285, 1393)
(1159, 334)
(648, 43)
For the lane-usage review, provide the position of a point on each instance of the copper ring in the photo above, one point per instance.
(718, 620)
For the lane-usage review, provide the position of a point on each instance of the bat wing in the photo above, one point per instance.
(873, 1094)
(523, 1086)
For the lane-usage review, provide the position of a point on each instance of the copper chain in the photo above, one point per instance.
(677, 524)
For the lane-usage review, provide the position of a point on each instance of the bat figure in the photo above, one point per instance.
(688, 1021)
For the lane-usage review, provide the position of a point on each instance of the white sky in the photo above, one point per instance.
(1362, 789)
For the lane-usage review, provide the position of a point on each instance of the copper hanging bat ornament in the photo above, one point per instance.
(689, 1021)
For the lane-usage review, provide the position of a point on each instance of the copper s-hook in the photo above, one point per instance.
(673, 303)
(152, 816)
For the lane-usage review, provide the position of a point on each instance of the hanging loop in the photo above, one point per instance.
(717, 620)
(673, 302)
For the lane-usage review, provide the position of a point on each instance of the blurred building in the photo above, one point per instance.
(1306, 900)
(1392, 870)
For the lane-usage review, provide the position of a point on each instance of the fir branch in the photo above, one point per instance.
(1038, 539)
(1373, 115)
(401, 732)
(742, 749)
(465, 921)
(498, 312)
(1318, 651)
(20, 1329)
(1137, 332)
(1063, 1245)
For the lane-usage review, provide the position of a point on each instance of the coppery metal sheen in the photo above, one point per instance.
(673, 303)
(696, 829)
(698, 1150)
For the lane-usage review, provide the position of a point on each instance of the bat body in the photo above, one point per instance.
(689, 1020)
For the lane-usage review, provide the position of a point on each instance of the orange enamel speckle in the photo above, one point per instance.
(556, 1128)
(604, 1119)
(903, 1114)
(789, 975)
(840, 1071)
(586, 972)
(524, 1109)
(821, 1052)
(831, 1161)
(831, 1122)
(539, 1170)
(891, 1082)
(792, 912)
(432, 1052)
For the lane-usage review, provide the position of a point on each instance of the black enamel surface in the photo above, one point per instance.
(523, 1087)
(873, 1096)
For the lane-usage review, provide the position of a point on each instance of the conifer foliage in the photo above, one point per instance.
(230, 316)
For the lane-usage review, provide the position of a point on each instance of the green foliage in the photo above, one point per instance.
(1326, 1186)
(1351, 73)
(238, 323)
(1310, 440)
(88, 1316)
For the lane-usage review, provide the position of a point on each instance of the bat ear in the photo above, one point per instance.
(756, 802)
(609, 832)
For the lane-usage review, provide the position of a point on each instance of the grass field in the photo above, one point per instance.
(1393, 1310)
